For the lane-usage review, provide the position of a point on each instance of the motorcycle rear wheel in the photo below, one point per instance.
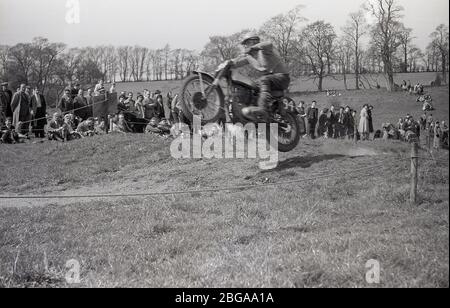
(288, 136)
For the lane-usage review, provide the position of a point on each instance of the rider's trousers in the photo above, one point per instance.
(269, 83)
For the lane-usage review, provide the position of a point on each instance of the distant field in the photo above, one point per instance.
(303, 84)
(317, 233)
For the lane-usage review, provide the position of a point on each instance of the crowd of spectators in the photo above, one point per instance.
(336, 123)
(24, 113)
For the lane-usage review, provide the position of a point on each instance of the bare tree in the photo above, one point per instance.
(282, 29)
(137, 62)
(319, 39)
(355, 29)
(344, 51)
(405, 42)
(386, 34)
(123, 54)
(440, 39)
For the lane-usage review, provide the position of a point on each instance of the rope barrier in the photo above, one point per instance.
(199, 191)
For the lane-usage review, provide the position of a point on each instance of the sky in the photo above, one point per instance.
(182, 23)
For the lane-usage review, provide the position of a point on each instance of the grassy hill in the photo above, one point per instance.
(316, 233)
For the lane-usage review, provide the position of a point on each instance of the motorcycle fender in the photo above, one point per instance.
(203, 73)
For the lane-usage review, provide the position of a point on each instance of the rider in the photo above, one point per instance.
(264, 57)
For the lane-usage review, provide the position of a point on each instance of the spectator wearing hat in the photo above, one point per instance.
(370, 119)
(39, 112)
(20, 106)
(8, 95)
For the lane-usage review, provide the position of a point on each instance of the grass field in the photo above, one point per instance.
(318, 233)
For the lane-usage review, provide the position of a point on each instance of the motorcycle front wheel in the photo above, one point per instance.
(209, 109)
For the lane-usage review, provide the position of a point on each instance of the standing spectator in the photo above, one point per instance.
(444, 137)
(39, 113)
(20, 106)
(370, 119)
(28, 92)
(75, 90)
(331, 123)
(129, 102)
(8, 94)
(363, 128)
(348, 123)
(322, 127)
(3, 107)
(430, 121)
(312, 116)
(340, 128)
(430, 136)
(80, 106)
(437, 136)
(301, 116)
(139, 105)
(113, 88)
(423, 121)
(66, 102)
(354, 123)
(99, 88)
(8, 133)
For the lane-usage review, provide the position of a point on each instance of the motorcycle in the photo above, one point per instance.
(203, 95)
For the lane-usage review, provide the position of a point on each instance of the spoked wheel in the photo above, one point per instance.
(288, 132)
(211, 108)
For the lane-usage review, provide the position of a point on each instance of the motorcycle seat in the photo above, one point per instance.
(277, 94)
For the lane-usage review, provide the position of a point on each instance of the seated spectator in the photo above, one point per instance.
(8, 134)
(100, 127)
(120, 125)
(86, 128)
(56, 129)
(152, 126)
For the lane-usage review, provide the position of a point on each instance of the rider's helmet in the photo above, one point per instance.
(250, 36)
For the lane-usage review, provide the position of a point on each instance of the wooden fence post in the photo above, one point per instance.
(414, 172)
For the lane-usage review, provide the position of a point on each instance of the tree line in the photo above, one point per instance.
(311, 49)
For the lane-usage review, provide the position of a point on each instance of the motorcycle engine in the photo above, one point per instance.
(240, 97)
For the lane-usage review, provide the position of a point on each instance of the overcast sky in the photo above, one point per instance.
(182, 23)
